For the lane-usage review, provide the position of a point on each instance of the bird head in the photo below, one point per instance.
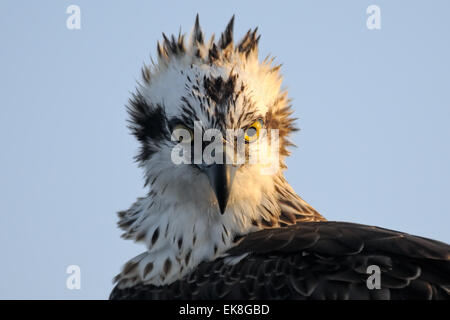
(213, 124)
(212, 121)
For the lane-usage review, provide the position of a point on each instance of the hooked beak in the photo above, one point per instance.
(221, 177)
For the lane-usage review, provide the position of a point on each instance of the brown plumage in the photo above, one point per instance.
(268, 243)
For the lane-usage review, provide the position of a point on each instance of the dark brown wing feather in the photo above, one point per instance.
(316, 260)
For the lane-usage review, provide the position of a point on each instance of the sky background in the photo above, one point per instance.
(373, 108)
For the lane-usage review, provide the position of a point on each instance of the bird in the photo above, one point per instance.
(219, 228)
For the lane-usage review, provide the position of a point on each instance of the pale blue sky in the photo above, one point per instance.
(373, 106)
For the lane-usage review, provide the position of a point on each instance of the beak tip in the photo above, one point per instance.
(222, 208)
(221, 179)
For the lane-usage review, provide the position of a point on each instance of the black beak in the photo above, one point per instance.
(221, 177)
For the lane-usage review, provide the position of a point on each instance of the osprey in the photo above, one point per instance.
(231, 229)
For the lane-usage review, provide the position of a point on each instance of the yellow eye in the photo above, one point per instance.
(181, 133)
(252, 132)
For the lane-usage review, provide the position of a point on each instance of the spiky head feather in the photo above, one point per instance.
(217, 72)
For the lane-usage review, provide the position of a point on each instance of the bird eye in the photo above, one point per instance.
(181, 133)
(252, 132)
